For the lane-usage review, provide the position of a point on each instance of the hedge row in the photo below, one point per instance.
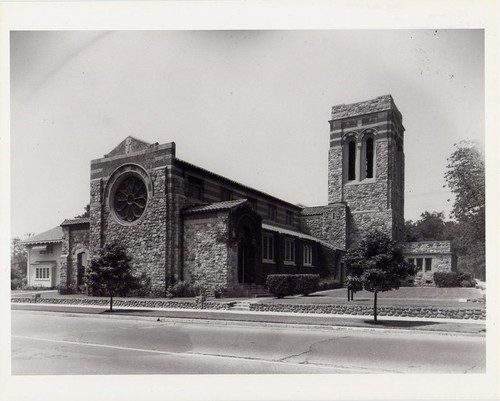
(281, 285)
(453, 279)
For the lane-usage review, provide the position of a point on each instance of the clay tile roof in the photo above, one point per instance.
(297, 234)
(311, 211)
(215, 207)
(53, 235)
(81, 220)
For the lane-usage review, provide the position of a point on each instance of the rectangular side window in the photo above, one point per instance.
(308, 252)
(290, 218)
(267, 248)
(226, 194)
(194, 187)
(419, 263)
(428, 264)
(289, 251)
(272, 212)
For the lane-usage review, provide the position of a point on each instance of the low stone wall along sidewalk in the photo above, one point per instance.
(400, 311)
(129, 303)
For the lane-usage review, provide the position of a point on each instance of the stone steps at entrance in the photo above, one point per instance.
(250, 291)
(241, 306)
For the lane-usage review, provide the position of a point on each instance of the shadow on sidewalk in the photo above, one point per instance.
(399, 323)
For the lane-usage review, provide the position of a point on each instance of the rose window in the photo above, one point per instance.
(130, 199)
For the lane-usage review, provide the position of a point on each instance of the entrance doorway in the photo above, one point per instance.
(81, 262)
(246, 257)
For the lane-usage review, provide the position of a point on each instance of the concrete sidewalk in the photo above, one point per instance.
(444, 326)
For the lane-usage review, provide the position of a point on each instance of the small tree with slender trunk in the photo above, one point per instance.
(111, 272)
(377, 265)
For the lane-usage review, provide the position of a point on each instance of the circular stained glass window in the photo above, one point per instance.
(130, 199)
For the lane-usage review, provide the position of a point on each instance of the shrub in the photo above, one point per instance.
(143, 286)
(184, 289)
(280, 285)
(446, 279)
(66, 289)
(219, 290)
(306, 284)
(328, 284)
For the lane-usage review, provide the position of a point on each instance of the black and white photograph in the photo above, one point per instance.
(299, 211)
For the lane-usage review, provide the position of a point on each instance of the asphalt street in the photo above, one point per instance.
(59, 344)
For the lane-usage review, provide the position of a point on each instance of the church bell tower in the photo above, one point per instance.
(366, 166)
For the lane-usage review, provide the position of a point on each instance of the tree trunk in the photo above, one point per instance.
(348, 295)
(375, 306)
(352, 295)
(111, 304)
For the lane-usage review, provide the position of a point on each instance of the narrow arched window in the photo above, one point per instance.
(369, 158)
(351, 161)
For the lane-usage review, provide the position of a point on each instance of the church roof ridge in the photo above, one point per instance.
(215, 207)
(204, 170)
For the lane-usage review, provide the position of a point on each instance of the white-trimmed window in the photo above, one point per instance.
(42, 273)
(308, 255)
(268, 248)
(289, 251)
(272, 212)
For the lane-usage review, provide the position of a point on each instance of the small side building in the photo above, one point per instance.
(429, 257)
(44, 251)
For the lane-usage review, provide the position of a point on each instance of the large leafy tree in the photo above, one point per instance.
(466, 179)
(111, 272)
(430, 227)
(377, 265)
(18, 262)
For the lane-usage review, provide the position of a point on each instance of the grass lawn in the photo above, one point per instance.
(405, 296)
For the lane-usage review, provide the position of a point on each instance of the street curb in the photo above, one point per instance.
(243, 323)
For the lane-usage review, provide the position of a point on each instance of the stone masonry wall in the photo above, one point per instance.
(146, 240)
(78, 241)
(330, 225)
(402, 311)
(96, 223)
(206, 251)
(362, 222)
(439, 251)
(335, 175)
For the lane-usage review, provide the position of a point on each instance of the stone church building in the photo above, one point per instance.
(180, 222)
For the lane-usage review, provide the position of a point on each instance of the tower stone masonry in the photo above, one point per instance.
(366, 167)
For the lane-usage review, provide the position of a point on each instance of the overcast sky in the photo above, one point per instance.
(250, 105)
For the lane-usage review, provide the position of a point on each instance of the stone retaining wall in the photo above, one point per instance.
(402, 311)
(142, 303)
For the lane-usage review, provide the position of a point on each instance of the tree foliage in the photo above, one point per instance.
(18, 262)
(466, 179)
(111, 272)
(377, 265)
(86, 212)
(430, 227)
